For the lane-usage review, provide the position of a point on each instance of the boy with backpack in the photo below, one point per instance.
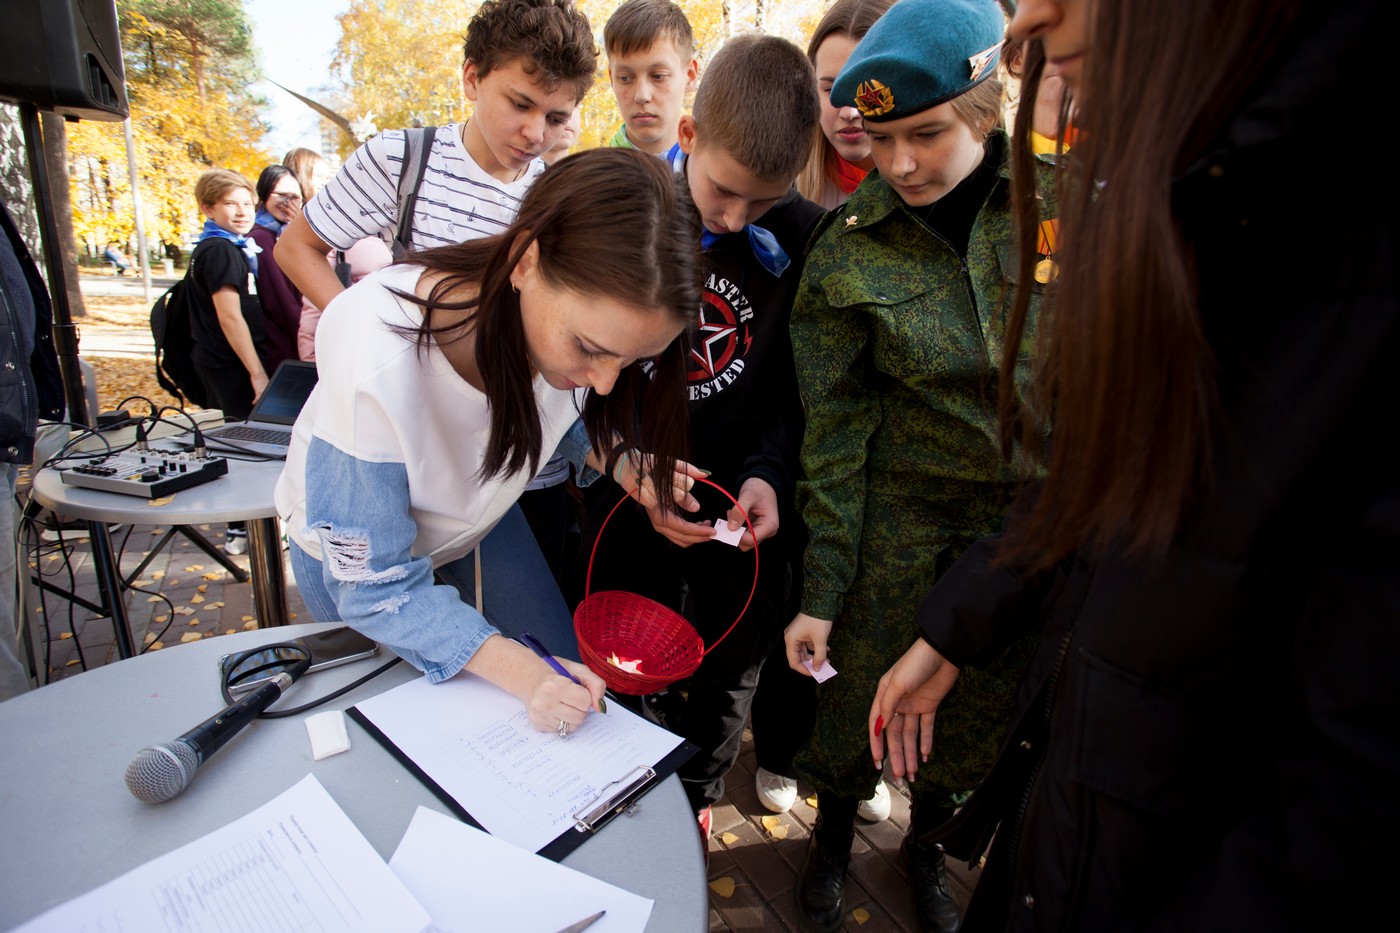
(525, 84)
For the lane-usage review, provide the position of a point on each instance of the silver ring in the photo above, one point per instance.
(563, 729)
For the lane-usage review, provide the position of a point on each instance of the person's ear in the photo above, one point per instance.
(207, 210)
(685, 133)
(692, 74)
(527, 265)
(471, 80)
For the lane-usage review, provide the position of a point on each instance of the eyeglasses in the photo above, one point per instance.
(290, 198)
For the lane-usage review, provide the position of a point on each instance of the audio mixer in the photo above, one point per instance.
(150, 475)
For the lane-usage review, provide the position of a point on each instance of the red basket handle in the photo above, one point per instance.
(588, 580)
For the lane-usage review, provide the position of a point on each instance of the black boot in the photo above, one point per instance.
(821, 888)
(934, 904)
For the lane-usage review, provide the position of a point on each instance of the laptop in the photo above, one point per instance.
(268, 430)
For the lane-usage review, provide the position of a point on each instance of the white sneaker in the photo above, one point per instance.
(776, 792)
(877, 808)
(236, 541)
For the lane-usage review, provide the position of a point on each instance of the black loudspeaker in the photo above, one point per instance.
(64, 56)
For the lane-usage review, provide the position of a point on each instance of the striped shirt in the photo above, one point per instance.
(457, 201)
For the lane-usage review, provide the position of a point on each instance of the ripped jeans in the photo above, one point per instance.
(520, 595)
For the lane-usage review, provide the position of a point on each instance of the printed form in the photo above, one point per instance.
(475, 742)
(295, 863)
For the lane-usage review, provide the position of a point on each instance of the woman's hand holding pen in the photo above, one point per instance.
(550, 698)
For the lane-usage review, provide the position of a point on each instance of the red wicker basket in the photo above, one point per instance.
(656, 643)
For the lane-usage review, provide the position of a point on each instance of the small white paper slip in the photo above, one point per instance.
(328, 734)
(826, 673)
(722, 532)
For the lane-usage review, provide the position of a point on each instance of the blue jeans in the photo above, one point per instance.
(520, 591)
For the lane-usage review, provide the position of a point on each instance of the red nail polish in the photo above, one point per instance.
(879, 724)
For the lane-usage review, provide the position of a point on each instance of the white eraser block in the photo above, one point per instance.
(328, 735)
(826, 673)
(722, 532)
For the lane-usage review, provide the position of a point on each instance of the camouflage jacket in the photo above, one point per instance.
(898, 342)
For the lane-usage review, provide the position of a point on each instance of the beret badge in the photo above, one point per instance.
(874, 99)
(981, 63)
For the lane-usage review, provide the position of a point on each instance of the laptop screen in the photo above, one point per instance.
(286, 393)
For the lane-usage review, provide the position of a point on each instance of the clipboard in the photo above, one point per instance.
(619, 795)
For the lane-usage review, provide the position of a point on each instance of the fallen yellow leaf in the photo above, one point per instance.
(194, 568)
(217, 605)
(747, 737)
(249, 626)
(728, 838)
(156, 646)
(184, 610)
(153, 599)
(860, 915)
(71, 663)
(196, 599)
(213, 576)
(247, 619)
(724, 887)
(190, 636)
(770, 821)
(160, 618)
(157, 503)
(158, 574)
(230, 631)
(140, 583)
(150, 637)
(172, 582)
(291, 615)
(812, 801)
(64, 636)
(203, 587)
(779, 832)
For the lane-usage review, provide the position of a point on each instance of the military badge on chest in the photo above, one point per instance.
(723, 338)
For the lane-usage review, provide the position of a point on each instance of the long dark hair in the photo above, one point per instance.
(608, 221)
(1127, 381)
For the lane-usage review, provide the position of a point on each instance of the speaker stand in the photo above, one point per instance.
(65, 334)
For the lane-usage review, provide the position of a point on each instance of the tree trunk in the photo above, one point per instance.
(56, 165)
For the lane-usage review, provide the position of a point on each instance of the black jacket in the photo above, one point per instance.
(31, 386)
(1211, 740)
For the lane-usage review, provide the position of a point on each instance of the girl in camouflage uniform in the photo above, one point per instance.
(897, 333)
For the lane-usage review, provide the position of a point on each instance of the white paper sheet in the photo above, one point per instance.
(470, 881)
(474, 740)
(295, 863)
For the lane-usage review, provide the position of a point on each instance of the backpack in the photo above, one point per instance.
(417, 141)
(170, 326)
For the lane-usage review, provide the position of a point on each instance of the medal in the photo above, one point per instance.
(1046, 271)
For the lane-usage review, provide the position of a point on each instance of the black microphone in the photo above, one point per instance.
(160, 772)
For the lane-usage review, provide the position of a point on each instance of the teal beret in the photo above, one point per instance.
(919, 54)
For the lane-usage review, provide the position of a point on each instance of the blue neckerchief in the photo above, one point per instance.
(250, 247)
(765, 248)
(765, 245)
(263, 219)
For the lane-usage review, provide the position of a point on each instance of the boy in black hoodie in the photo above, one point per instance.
(749, 135)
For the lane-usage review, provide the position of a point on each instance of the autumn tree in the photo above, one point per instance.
(188, 67)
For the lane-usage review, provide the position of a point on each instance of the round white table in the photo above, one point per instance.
(244, 494)
(69, 824)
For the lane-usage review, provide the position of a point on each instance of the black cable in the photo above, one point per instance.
(230, 678)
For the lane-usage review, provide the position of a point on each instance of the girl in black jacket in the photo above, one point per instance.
(1206, 738)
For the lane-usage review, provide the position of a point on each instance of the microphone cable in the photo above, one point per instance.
(235, 676)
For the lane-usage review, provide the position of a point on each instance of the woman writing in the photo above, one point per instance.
(445, 381)
(1205, 738)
